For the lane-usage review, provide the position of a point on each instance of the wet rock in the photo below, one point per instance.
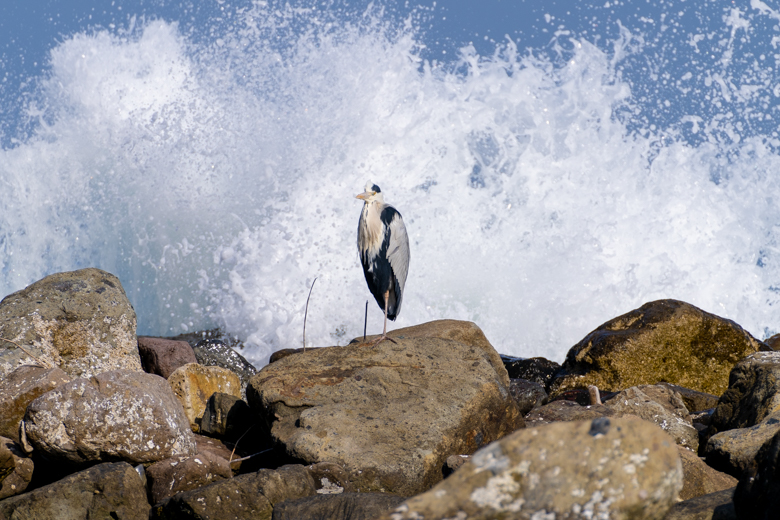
(390, 414)
(747, 415)
(714, 506)
(19, 388)
(700, 479)
(346, 506)
(615, 468)
(194, 384)
(80, 321)
(170, 476)
(558, 411)
(527, 394)
(665, 340)
(110, 490)
(162, 356)
(245, 497)
(16, 469)
(116, 415)
(661, 405)
(757, 496)
(537, 369)
(215, 352)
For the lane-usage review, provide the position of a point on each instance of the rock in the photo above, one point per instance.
(80, 321)
(162, 356)
(214, 352)
(391, 414)
(116, 415)
(170, 476)
(245, 497)
(110, 490)
(714, 506)
(527, 394)
(558, 411)
(661, 405)
(453, 462)
(346, 506)
(538, 370)
(700, 479)
(19, 388)
(226, 416)
(773, 342)
(16, 469)
(694, 401)
(330, 478)
(283, 353)
(665, 340)
(747, 415)
(464, 332)
(610, 468)
(194, 384)
(757, 496)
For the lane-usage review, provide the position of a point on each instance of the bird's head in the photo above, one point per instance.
(372, 194)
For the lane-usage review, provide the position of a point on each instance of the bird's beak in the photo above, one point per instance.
(364, 195)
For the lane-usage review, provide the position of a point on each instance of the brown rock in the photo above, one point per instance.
(170, 476)
(565, 411)
(16, 469)
(700, 479)
(80, 321)
(162, 356)
(345, 506)
(116, 415)
(665, 340)
(19, 388)
(329, 478)
(610, 468)
(694, 401)
(194, 384)
(391, 414)
(714, 506)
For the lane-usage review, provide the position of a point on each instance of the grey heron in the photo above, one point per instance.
(384, 252)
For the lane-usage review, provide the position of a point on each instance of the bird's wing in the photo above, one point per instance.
(398, 247)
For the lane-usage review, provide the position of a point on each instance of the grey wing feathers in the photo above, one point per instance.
(398, 252)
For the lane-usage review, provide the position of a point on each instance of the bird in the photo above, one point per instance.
(383, 245)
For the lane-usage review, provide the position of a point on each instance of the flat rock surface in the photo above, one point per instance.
(623, 468)
(116, 415)
(391, 414)
(80, 321)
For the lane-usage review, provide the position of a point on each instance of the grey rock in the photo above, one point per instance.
(162, 356)
(110, 490)
(661, 405)
(527, 394)
(80, 321)
(713, 506)
(757, 496)
(16, 468)
(565, 411)
(19, 388)
(245, 497)
(695, 401)
(214, 352)
(538, 369)
(346, 506)
(226, 416)
(116, 415)
(700, 479)
(389, 414)
(330, 478)
(193, 384)
(607, 468)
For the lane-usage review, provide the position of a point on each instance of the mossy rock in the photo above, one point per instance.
(663, 341)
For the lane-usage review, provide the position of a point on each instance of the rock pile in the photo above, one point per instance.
(660, 414)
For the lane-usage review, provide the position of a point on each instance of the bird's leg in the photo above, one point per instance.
(384, 335)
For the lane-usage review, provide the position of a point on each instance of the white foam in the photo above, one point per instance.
(217, 180)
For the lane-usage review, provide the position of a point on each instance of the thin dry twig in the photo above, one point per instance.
(305, 314)
(236, 445)
(250, 456)
(43, 363)
(365, 323)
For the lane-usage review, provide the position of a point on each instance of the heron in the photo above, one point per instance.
(384, 252)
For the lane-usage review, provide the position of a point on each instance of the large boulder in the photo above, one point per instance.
(111, 490)
(699, 478)
(747, 415)
(80, 321)
(757, 496)
(162, 356)
(116, 415)
(19, 388)
(391, 414)
(606, 468)
(665, 340)
(713, 506)
(170, 476)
